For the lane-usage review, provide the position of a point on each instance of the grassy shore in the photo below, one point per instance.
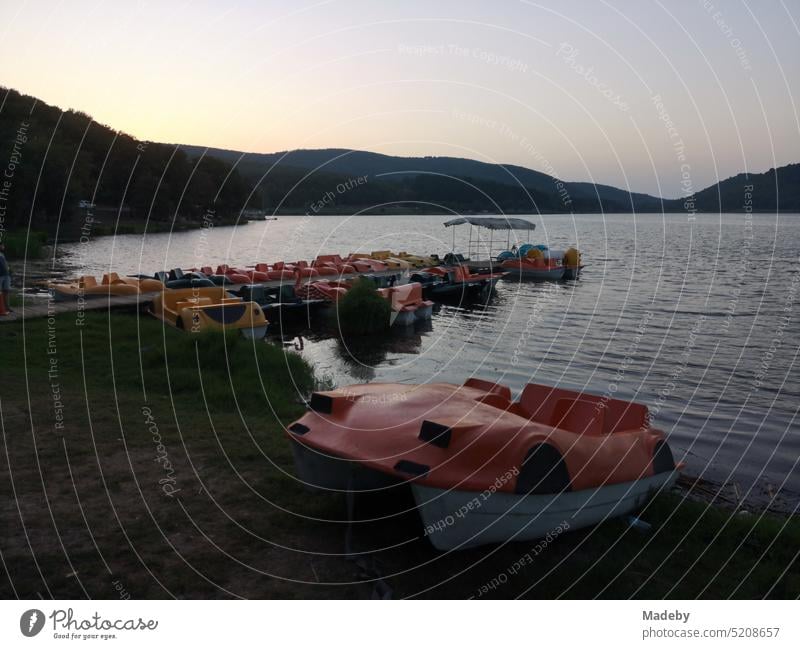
(21, 244)
(141, 461)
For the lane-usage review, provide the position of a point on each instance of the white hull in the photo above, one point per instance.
(404, 319)
(535, 273)
(254, 333)
(464, 519)
(408, 318)
(424, 312)
(319, 471)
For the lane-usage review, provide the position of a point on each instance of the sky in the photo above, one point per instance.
(655, 97)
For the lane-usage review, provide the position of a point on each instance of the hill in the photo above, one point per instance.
(771, 191)
(550, 194)
(776, 189)
(58, 158)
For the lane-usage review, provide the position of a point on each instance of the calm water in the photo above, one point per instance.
(701, 321)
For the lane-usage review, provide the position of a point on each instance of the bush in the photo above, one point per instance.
(16, 247)
(228, 371)
(362, 310)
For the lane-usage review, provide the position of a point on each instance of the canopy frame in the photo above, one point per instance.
(490, 223)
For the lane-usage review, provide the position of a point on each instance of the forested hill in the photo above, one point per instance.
(446, 178)
(54, 159)
(405, 176)
(771, 191)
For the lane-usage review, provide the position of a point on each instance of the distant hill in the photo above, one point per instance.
(59, 158)
(554, 195)
(774, 190)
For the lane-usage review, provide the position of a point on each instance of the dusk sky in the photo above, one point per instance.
(568, 88)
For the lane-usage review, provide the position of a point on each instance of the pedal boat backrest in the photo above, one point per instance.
(193, 302)
(172, 298)
(87, 281)
(578, 416)
(497, 395)
(580, 412)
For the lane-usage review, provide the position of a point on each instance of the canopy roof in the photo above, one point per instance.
(493, 222)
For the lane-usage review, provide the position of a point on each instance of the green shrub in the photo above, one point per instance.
(21, 245)
(362, 310)
(228, 371)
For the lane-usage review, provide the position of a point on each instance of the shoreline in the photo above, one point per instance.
(129, 226)
(206, 453)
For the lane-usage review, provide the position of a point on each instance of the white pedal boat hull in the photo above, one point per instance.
(255, 333)
(456, 520)
(536, 273)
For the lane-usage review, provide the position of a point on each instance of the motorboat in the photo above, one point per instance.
(197, 310)
(484, 468)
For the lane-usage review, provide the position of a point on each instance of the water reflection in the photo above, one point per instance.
(683, 317)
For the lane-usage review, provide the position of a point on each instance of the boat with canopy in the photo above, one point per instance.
(514, 255)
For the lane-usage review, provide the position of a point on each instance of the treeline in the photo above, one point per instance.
(289, 188)
(776, 190)
(51, 160)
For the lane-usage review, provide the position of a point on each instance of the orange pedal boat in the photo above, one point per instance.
(111, 285)
(484, 468)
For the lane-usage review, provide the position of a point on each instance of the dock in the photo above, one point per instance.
(40, 305)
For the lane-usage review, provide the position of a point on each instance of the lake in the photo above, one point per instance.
(698, 320)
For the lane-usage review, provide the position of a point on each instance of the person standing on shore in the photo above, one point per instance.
(5, 276)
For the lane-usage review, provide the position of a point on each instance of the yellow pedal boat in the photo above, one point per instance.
(417, 261)
(209, 308)
(110, 285)
(387, 258)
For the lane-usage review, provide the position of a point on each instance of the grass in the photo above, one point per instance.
(14, 300)
(362, 311)
(22, 245)
(85, 505)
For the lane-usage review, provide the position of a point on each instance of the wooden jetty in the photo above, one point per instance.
(41, 305)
